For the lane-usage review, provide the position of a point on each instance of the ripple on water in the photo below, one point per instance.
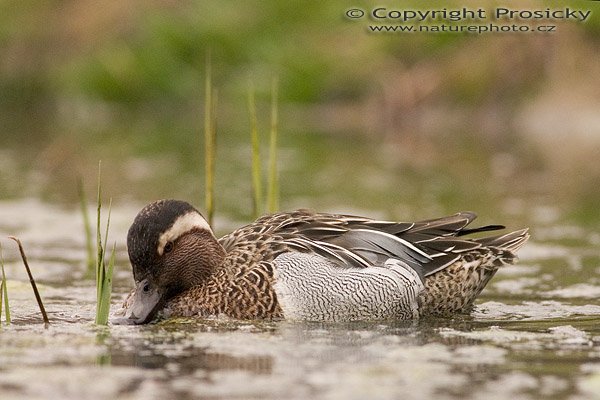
(579, 290)
(532, 310)
(556, 337)
(64, 382)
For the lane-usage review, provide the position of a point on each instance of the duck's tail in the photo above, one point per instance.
(455, 288)
(512, 241)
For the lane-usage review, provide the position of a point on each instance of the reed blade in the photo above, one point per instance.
(256, 162)
(32, 281)
(209, 142)
(107, 226)
(273, 184)
(4, 291)
(99, 250)
(103, 309)
(103, 273)
(1, 297)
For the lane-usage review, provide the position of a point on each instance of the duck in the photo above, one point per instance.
(308, 266)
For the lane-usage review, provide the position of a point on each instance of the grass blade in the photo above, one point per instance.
(1, 296)
(103, 309)
(32, 281)
(103, 273)
(209, 142)
(213, 153)
(99, 250)
(273, 183)
(256, 164)
(107, 226)
(4, 291)
(87, 229)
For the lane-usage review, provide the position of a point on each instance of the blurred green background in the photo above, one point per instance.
(402, 126)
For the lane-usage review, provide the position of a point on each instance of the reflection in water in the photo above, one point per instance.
(195, 360)
(171, 347)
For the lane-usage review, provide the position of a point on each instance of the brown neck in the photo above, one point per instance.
(211, 257)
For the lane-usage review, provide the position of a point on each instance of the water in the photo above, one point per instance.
(535, 332)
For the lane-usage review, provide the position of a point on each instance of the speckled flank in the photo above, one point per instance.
(309, 287)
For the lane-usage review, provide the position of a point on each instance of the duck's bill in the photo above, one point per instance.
(141, 306)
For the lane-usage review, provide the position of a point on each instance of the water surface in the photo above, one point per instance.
(535, 333)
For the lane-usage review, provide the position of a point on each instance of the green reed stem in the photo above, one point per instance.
(103, 310)
(4, 291)
(99, 250)
(2, 283)
(32, 281)
(273, 184)
(256, 162)
(209, 142)
(103, 273)
(107, 226)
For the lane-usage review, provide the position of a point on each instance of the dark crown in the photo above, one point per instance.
(152, 221)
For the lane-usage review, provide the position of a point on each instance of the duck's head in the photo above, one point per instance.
(171, 248)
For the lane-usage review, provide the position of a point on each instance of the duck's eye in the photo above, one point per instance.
(168, 247)
(146, 288)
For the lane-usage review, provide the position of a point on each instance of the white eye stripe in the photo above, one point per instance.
(183, 224)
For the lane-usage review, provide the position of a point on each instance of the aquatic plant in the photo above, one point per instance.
(32, 281)
(210, 135)
(210, 138)
(273, 182)
(256, 162)
(103, 272)
(4, 291)
(272, 200)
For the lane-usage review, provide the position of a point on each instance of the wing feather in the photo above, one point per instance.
(426, 246)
